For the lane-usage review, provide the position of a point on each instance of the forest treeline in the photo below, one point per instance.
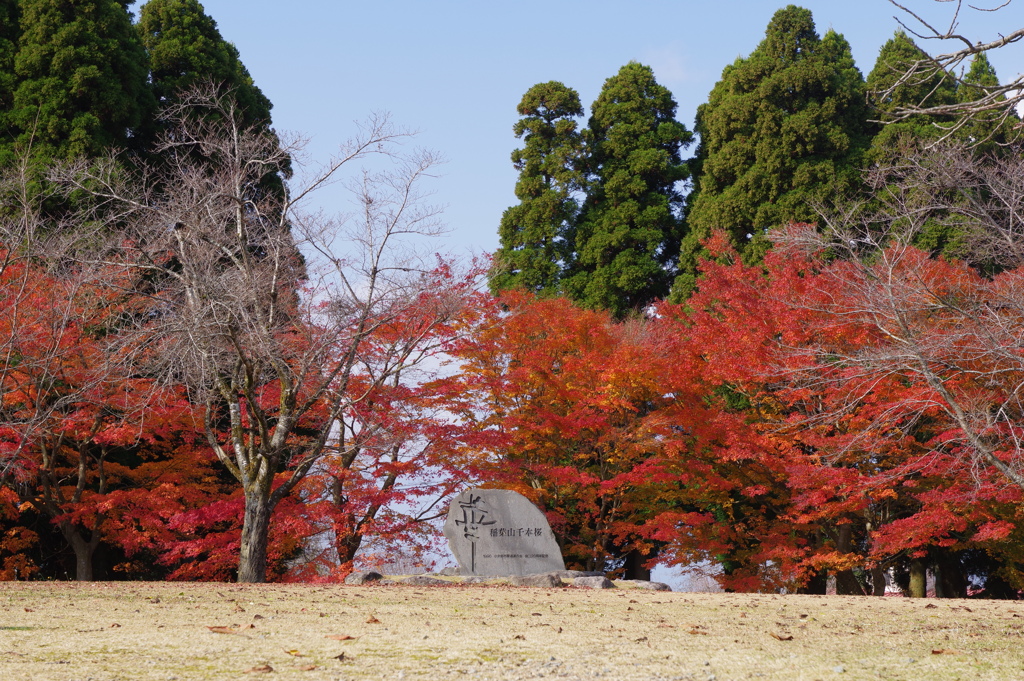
(793, 355)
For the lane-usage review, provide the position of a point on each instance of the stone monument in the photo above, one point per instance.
(499, 533)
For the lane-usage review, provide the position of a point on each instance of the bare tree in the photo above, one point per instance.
(262, 308)
(996, 104)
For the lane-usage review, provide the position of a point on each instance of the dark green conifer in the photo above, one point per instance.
(533, 245)
(185, 48)
(783, 129)
(895, 59)
(988, 131)
(9, 31)
(81, 78)
(627, 236)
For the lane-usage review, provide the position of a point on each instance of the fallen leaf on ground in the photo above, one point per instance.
(373, 620)
(307, 667)
(340, 637)
(945, 651)
(339, 657)
(293, 653)
(779, 637)
(29, 610)
(698, 631)
(115, 625)
(261, 669)
(222, 630)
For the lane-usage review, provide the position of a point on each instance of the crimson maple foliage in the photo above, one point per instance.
(864, 467)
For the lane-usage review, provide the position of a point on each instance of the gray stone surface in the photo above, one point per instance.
(573, 574)
(424, 580)
(499, 533)
(644, 584)
(593, 582)
(449, 572)
(546, 580)
(363, 577)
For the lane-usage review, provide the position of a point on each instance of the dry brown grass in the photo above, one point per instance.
(146, 631)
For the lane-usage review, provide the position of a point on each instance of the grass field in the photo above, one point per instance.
(183, 631)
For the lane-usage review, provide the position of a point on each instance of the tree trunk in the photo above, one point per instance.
(949, 577)
(918, 579)
(817, 585)
(347, 546)
(634, 566)
(252, 563)
(877, 581)
(84, 551)
(846, 581)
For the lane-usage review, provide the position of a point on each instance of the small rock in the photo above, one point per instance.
(363, 577)
(423, 580)
(449, 572)
(544, 580)
(839, 669)
(594, 582)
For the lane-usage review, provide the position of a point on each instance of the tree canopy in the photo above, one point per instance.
(627, 234)
(534, 246)
(783, 128)
(81, 78)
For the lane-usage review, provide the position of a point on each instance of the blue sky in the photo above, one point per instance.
(455, 70)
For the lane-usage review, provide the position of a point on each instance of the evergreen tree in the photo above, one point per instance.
(990, 131)
(533, 246)
(782, 129)
(185, 48)
(9, 30)
(895, 58)
(81, 78)
(626, 238)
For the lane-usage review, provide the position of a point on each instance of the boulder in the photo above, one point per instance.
(364, 577)
(423, 580)
(545, 580)
(593, 582)
(644, 584)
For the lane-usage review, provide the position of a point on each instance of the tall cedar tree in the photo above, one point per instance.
(533, 245)
(186, 52)
(898, 139)
(81, 79)
(9, 30)
(783, 128)
(185, 48)
(627, 236)
(894, 59)
(987, 131)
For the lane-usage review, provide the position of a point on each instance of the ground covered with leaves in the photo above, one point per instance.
(166, 631)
